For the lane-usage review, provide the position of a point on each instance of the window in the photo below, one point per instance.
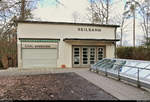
(100, 53)
(84, 55)
(76, 55)
(92, 55)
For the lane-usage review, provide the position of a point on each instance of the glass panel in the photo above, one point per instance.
(85, 55)
(102, 65)
(105, 61)
(144, 73)
(128, 63)
(132, 71)
(92, 55)
(100, 62)
(118, 66)
(111, 66)
(148, 67)
(148, 77)
(100, 52)
(126, 67)
(76, 55)
(142, 65)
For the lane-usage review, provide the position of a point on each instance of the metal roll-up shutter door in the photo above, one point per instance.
(39, 58)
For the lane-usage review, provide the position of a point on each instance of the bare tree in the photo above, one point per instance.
(22, 13)
(131, 7)
(145, 14)
(15, 10)
(10, 12)
(59, 3)
(119, 19)
(99, 10)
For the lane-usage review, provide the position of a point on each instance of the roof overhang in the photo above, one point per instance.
(69, 23)
(38, 40)
(99, 40)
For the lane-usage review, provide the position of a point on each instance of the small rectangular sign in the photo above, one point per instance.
(38, 46)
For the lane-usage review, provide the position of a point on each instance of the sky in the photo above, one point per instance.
(50, 10)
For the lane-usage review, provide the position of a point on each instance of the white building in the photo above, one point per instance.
(59, 44)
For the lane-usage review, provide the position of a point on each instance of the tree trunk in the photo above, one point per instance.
(134, 28)
(121, 37)
(92, 11)
(22, 16)
(107, 12)
(5, 61)
(147, 41)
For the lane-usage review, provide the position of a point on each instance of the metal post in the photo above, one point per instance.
(138, 79)
(134, 28)
(97, 70)
(119, 73)
(89, 69)
(106, 71)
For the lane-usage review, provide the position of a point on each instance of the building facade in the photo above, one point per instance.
(61, 44)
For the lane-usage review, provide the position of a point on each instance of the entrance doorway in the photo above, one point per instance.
(84, 56)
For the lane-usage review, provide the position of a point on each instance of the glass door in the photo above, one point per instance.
(88, 55)
(84, 55)
(100, 53)
(92, 55)
(76, 56)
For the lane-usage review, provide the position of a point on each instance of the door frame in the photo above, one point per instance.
(81, 46)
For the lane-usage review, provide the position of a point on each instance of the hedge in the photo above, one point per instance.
(137, 53)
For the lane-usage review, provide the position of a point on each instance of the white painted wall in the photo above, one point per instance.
(58, 31)
(110, 51)
(62, 31)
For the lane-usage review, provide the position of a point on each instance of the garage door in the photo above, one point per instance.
(39, 58)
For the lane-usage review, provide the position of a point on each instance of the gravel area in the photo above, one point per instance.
(61, 86)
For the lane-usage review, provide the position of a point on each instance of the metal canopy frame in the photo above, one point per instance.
(115, 68)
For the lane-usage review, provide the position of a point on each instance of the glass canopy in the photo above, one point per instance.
(134, 69)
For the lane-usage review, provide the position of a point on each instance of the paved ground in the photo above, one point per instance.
(62, 86)
(116, 88)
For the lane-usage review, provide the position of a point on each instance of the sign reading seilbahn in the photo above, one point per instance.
(90, 29)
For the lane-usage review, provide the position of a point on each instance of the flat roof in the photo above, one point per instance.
(68, 23)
